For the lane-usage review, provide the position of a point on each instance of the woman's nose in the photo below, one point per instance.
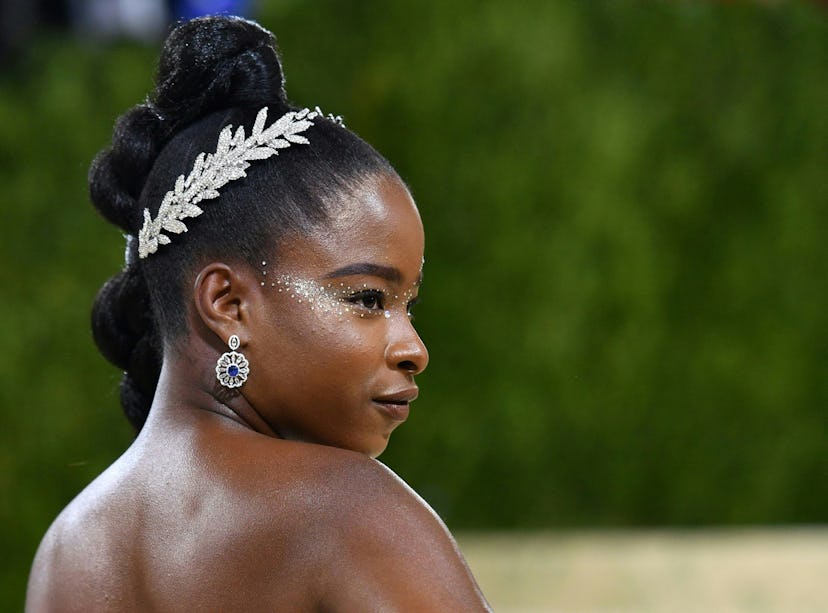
(406, 351)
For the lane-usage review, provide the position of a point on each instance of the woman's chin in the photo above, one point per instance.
(377, 446)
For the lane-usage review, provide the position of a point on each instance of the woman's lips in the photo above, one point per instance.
(393, 410)
(397, 405)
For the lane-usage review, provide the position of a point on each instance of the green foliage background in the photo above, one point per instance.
(625, 301)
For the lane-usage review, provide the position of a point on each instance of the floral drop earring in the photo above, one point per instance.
(232, 367)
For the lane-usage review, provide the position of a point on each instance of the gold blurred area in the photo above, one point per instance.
(680, 571)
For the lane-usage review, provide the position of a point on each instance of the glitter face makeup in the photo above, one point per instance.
(341, 299)
(330, 332)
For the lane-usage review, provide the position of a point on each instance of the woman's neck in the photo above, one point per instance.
(187, 388)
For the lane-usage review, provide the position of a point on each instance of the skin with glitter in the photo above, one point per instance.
(339, 299)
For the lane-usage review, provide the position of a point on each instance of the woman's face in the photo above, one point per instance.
(332, 349)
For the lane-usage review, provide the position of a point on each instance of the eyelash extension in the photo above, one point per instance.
(380, 299)
(377, 295)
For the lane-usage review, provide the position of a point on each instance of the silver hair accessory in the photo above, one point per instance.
(212, 171)
(232, 367)
(129, 254)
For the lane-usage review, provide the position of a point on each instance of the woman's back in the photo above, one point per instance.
(170, 527)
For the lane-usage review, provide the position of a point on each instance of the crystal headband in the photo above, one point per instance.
(212, 171)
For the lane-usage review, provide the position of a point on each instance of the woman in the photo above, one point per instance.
(262, 321)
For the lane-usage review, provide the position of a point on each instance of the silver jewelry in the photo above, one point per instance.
(212, 171)
(232, 367)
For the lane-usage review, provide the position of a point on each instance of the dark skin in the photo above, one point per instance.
(269, 499)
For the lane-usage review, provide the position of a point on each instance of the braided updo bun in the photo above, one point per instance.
(208, 63)
(213, 71)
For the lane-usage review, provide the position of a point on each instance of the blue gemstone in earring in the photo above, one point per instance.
(233, 370)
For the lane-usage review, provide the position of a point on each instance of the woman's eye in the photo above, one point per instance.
(370, 299)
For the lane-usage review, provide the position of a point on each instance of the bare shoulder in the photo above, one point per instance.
(370, 541)
(76, 552)
(340, 488)
(386, 549)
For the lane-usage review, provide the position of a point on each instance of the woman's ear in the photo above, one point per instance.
(222, 300)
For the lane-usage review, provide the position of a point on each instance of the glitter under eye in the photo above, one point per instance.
(340, 299)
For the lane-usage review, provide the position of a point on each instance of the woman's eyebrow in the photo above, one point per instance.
(388, 273)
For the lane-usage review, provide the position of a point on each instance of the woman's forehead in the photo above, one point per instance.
(376, 231)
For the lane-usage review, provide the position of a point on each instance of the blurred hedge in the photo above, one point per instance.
(625, 299)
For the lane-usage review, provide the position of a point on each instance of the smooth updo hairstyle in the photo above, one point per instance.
(213, 71)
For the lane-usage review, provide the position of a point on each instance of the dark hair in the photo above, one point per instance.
(213, 71)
